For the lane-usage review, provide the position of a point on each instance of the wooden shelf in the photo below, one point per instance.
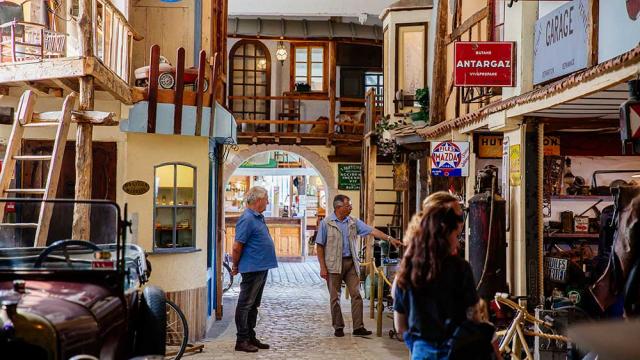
(582, 197)
(572, 235)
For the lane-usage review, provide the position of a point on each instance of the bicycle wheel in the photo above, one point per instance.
(177, 332)
(227, 278)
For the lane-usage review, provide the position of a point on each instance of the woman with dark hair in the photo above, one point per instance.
(434, 286)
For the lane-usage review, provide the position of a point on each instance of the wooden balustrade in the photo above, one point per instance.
(112, 37)
(29, 41)
(321, 126)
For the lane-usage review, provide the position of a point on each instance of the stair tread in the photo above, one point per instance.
(41, 124)
(32, 157)
(26, 191)
(25, 225)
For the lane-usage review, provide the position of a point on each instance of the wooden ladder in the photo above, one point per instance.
(26, 118)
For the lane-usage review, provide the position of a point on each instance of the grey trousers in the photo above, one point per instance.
(334, 283)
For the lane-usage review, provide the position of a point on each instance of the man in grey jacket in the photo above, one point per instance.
(338, 258)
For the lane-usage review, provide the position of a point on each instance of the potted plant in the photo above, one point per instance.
(387, 145)
(422, 98)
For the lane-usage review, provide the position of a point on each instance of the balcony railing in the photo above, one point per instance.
(349, 125)
(29, 41)
(112, 37)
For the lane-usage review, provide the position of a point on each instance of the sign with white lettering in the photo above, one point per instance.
(618, 28)
(349, 176)
(450, 158)
(555, 269)
(561, 41)
(484, 63)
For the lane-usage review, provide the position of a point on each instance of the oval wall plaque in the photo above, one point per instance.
(135, 187)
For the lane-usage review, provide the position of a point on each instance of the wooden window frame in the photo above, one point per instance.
(232, 69)
(492, 24)
(379, 75)
(175, 207)
(425, 25)
(325, 65)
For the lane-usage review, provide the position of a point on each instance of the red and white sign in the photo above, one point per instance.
(484, 63)
(634, 121)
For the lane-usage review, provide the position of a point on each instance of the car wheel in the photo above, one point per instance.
(152, 322)
(204, 88)
(166, 80)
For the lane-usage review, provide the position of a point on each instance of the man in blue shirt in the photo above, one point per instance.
(253, 255)
(338, 258)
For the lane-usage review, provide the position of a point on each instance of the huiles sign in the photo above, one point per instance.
(560, 45)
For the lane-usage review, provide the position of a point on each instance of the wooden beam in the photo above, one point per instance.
(109, 81)
(332, 86)
(84, 161)
(594, 19)
(438, 100)
(202, 63)
(66, 85)
(466, 25)
(39, 89)
(78, 116)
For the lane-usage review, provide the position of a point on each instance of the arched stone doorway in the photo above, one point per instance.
(320, 164)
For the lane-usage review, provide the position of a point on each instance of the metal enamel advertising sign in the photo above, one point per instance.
(484, 63)
(450, 158)
(561, 41)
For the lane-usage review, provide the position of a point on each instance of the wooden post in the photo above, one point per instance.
(202, 65)
(380, 307)
(179, 93)
(84, 159)
(332, 86)
(152, 89)
(438, 99)
(593, 32)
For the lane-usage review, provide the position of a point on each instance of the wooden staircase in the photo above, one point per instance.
(26, 118)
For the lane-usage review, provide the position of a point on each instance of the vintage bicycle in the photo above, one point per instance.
(514, 339)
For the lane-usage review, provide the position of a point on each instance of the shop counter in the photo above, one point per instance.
(285, 231)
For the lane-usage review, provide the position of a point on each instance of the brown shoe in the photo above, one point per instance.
(361, 332)
(246, 346)
(260, 345)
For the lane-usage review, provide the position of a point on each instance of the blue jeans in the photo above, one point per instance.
(249, 299)
(424, 350)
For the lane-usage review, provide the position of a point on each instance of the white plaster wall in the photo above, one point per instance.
(281, 8)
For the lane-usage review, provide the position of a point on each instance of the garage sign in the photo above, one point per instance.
(450, 158)
(484, 63)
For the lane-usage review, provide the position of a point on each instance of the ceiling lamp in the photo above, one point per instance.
(281, 52)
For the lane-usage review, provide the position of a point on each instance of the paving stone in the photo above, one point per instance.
(294, 319)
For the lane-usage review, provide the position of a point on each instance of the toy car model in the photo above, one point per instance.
(167, 77)
(75, 298)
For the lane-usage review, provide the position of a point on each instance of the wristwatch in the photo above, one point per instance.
(389, 238)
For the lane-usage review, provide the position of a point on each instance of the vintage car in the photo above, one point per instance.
(75, 298)
(167, 77)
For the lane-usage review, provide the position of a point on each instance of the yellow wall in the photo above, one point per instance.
(172, 272)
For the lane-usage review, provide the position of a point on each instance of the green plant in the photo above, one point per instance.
(387, 146)
(422, 98)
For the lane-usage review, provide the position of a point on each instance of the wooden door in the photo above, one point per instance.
(168, 24)
(33, 174)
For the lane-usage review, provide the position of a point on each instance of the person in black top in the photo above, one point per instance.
(434, 287)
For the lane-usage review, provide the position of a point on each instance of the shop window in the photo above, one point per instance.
(309, 66)
(174, 207)
(497, 8)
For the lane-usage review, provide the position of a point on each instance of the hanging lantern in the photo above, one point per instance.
(281, 52)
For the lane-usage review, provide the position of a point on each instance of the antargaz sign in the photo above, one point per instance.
(484, 63)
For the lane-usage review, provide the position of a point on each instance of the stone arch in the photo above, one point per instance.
(320, 164)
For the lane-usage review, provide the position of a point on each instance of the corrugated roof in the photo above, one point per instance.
(301, 29)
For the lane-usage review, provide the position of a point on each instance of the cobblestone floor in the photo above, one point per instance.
(294, 318)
